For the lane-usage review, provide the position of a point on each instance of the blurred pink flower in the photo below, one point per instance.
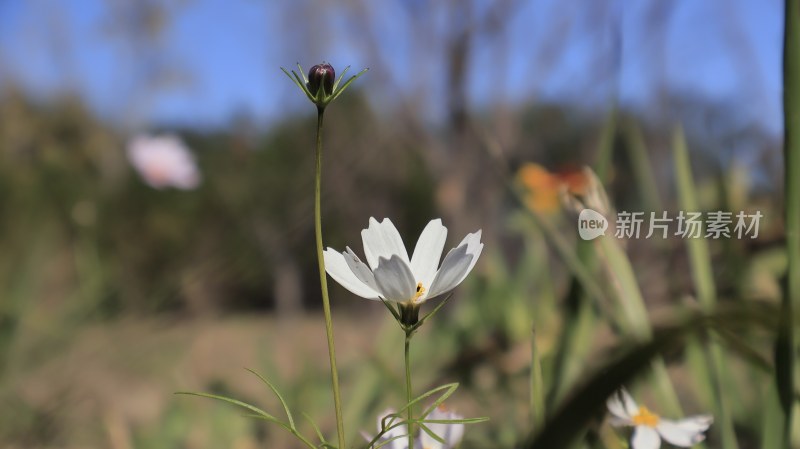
(163, 161)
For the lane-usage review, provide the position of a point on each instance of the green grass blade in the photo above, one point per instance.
(637, 324)
(702, 275)
(579, 326)
(772, 431)
(788, 343)
(537, 409)
(642, 168)
(605, 151)
(573, 353)
(566, 253)
(699, 254)
(629, 297)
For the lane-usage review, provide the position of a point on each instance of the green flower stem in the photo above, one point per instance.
(408, 392)
(326, 304)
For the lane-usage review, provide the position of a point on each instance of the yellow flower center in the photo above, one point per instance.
(645, 418)
(420, 292)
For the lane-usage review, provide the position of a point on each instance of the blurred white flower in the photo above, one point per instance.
(391, 275)
(450, 433)
(650, 428)
(163, 161)
(397, 437)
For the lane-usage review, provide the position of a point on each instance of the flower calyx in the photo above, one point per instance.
(319, 86)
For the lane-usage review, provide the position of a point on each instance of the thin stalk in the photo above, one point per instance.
(408, 392)
(326, 304)
(787, 345)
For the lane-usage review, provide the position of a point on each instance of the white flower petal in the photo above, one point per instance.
(622, 406)
(428, 252)
(699, 423)
(394, 279)
(359, 268)
(685, 432)
(474, 248)
(454, 268)
(450, 433)
(339, 270)
(630, 405)
(645, 438)
(382, 240)
(620, 417)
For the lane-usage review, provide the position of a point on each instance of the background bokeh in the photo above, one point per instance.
(114, 295)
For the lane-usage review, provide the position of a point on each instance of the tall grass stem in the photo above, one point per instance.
(537, 409)
(788, 345)
(703, 277)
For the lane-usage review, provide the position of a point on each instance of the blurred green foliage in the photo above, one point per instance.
(114, 295)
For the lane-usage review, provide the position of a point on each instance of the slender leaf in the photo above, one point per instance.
(537, 409)
(280, 398)
(239, 403)
(700, 263)
(316, 428)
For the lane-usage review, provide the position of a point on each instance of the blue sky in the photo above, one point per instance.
(223, 57)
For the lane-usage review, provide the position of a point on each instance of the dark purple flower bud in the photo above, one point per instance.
(321, 74)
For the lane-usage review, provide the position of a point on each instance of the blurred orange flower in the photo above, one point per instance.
(543, 187)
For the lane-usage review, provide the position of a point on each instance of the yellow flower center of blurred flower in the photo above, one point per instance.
(645, 418)
(420, 292)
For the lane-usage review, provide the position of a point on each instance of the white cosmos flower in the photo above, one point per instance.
(394, 438)
(450, 433)
(389, 274)
(650, 428)
(163, 161)
(397, 437)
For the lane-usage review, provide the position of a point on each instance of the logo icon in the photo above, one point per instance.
(591, 224)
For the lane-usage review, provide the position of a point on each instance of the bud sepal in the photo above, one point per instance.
(322, 97)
